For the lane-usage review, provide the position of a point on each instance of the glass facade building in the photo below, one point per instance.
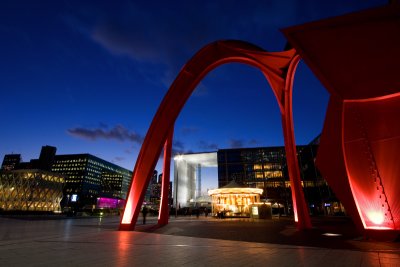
(253, 167)
(89, 177)
(266, 168)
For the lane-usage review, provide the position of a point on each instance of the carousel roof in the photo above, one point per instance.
(234, 188)
(234, 184)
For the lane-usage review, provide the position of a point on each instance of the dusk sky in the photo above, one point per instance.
(88, 76)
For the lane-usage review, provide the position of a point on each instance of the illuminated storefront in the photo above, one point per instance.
(234, 200)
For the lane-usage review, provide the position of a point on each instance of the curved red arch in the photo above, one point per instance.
(277, 67)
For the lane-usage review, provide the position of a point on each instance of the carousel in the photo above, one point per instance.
(234, 200)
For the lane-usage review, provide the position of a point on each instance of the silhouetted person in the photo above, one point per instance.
(219, 214)
(144, 212)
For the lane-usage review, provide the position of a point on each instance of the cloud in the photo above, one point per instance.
(171, 33)
(130, 149)
(239, 143)
(178, 145)
(253, 142)
(103, 125)
(207, 146)
(201, 90)
(118, 132)
(236, 143)
(118, 159)
(186, 130)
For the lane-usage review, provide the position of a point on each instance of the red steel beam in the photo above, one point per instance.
(164, 208)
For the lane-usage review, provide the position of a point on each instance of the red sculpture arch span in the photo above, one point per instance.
(277, 67)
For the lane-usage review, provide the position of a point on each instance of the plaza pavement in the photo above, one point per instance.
(187, 241)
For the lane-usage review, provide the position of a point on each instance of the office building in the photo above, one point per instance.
(11, 162)
(89, 177)
(262, 167)
(149, 190)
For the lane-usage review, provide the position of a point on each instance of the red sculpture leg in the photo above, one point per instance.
(371, 144)
(164, 208)
(330, 159)
(300, 207)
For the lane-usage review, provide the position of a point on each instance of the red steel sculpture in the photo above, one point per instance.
(356, 57)
(277, 67)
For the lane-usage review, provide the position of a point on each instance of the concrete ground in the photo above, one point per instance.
(188, 241)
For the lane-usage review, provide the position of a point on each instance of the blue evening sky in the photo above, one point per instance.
(88, 76)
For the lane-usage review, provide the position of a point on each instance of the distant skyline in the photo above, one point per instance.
(88, 76)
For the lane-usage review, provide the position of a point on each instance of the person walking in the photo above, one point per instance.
(144, 212)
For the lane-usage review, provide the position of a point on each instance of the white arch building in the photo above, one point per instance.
(187, 176)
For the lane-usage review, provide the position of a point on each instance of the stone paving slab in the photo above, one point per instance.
(95, 242)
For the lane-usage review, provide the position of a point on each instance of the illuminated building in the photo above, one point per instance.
(153, 192)
(86, 177)
(157, 196)
(10, 162)
(266, 168)
(262, 167)
(89, 177)
(254, 167)
(150, 187)
(234, 200)
(187, 176)
(113, 184)
(31, 190)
